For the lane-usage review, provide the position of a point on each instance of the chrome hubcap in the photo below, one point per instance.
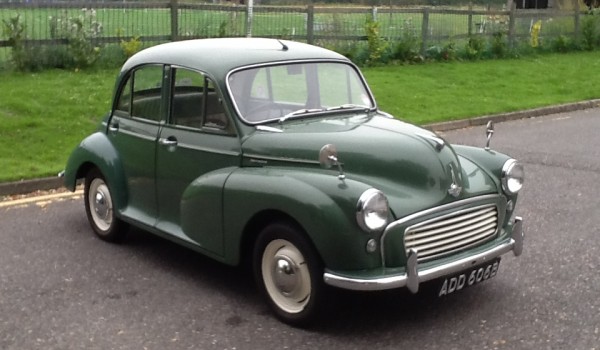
(100, 206)
(284, 275)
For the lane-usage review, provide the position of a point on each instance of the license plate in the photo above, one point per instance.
(469, 278)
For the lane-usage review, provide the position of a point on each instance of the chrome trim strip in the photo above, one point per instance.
(448, 206)
(208, 150)
(256, 157)
(137, 134)
(413, 277)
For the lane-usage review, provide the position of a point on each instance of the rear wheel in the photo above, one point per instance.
(99, 208)
(289, 274)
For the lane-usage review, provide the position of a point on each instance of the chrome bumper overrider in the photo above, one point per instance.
(413, 276)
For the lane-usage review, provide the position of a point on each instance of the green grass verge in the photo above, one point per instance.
(445, 91)
(43, 116)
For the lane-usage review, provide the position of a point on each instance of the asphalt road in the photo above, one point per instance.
(61, 288)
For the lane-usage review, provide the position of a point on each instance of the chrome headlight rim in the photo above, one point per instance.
(372, 211)
(513, 176)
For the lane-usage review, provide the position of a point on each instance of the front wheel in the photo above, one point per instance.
(289, 274)
(99, 208)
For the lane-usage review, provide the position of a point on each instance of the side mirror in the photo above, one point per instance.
(328, 158)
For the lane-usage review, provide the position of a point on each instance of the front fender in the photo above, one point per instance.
(323, 205)
(489, 161)
(97, 151)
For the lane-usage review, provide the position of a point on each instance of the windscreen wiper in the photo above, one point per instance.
(348, 106)
(299, 112)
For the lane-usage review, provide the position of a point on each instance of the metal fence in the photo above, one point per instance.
(45, 22)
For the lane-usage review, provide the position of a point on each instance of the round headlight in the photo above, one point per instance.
(372, 210)
(513, 176)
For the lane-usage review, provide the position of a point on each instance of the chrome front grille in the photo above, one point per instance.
(450, 233)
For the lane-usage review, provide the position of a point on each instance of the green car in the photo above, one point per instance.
(274, 154)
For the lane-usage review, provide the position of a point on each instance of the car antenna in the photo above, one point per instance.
(283, 46)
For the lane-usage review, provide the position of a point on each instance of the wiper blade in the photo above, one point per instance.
(299, 112)
(348, 106)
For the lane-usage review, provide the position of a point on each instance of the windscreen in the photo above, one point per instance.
(273, 92)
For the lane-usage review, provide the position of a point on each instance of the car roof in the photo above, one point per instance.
(220, 55)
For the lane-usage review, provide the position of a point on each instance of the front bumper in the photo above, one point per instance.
(413, 276)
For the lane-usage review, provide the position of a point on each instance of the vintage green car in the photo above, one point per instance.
(273, 153)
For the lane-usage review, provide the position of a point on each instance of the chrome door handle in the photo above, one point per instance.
(113, 127)
(168, 142)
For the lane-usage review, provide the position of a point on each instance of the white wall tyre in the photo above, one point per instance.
(289, 274)
(100, 210)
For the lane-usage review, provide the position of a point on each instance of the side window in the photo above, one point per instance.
(196, 102)
(147, 93)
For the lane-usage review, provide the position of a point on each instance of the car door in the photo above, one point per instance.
(197, 149)
(133, 129)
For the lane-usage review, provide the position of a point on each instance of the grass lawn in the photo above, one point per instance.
(43, 116)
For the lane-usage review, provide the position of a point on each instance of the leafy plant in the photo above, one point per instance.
(14, 30)
(474, 48)
(407, 48)
(446, 52)
(499, 47)
(132, 46)
(376, 44)
(561, 44)
(590, 30)
(79, 31)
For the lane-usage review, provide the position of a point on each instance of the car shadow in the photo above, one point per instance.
(373, 313)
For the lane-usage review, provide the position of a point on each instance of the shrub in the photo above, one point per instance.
(474, 48)
(79, 31)
(376, 44)
(590, 30)
(406, 49)
(14, 30)
(131, 47)
(498, 46)
(561, 44)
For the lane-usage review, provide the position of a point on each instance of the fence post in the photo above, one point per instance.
(511, 25)
(374, 13)
(424, 30)
(577, 20)
(470, 20)
(310, 21)
(249, 17)
(174, 20)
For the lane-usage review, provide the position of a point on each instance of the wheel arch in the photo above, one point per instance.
(96, 151)
(258, 223)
